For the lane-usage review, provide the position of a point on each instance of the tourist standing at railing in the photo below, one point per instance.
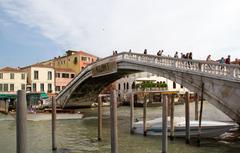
(222, 61)
(145, 51)
(159, 53)
(130, 50)
(227, 61)
(176, 55)
(190, 56)
(208, 58)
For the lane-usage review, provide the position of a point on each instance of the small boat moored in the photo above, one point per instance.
(209, 129)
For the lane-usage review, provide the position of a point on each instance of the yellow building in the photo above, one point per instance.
(75, 60)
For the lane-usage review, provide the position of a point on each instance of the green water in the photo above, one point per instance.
(79, 136)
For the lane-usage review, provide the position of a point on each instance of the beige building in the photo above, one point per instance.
(41, 78)
(12, 80)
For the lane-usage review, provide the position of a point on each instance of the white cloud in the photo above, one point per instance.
(203, 27)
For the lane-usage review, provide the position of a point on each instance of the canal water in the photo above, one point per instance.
(80, 136)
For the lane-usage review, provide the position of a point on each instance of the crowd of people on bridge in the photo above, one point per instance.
(189, 55)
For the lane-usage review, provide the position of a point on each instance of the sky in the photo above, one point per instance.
(36, 30)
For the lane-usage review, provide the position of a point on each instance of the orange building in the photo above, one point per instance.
(75, 60)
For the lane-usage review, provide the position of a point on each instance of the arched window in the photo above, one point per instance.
(133, 85)
(119, 86)
(127, 86)
(124, 86)
(174, 85)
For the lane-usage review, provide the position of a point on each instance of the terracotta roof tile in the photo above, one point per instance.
(10, 69)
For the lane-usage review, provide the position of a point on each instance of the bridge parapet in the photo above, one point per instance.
(211, 68)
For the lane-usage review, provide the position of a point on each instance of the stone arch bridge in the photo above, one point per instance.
(221, 81)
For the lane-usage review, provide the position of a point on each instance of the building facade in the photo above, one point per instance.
(40, 78)
(62, 77)
(75, 60)
(12, 80)
(128, 84)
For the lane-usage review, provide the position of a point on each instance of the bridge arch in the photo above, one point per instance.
(221, 82)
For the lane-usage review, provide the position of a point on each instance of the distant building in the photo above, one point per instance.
(75, 60)
(128, 84)
(12, 80)
(62, 77)
(41, 78)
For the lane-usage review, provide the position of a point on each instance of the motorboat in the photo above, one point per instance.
(209, 129)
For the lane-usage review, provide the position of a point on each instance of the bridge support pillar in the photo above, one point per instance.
(99, 118)
(164, 124)
(132, 113)
(187, 118)
(113, 115)
(171, 116)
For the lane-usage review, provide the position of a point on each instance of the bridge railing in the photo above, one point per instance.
(228, 71)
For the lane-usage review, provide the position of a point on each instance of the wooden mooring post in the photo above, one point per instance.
(164, 124)
(172, 117)
(200, 116)
(187, 118)
(132, 113)
(196, 106)
(99, 118)
(54, 112)
(21, 122)
(113, 115)
(145, 116)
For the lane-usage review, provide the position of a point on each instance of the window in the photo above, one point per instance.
(174, 85)
(124, 86)
(23, 87)
(75, 61)
(72, 75)
(23, 76)
(119, 86)
(181, 86)
(11, 75)
(35, 75)
(127, 86)
(57, 88)
(42, 87)
(11, 87)
(49, 75)
(57, 75)
(5, 88)
(34, 87)
(1, 75)
(63, 87)
(82, 68)
(49, 87)
(1, 87)
(65, 75)
(84, 58)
